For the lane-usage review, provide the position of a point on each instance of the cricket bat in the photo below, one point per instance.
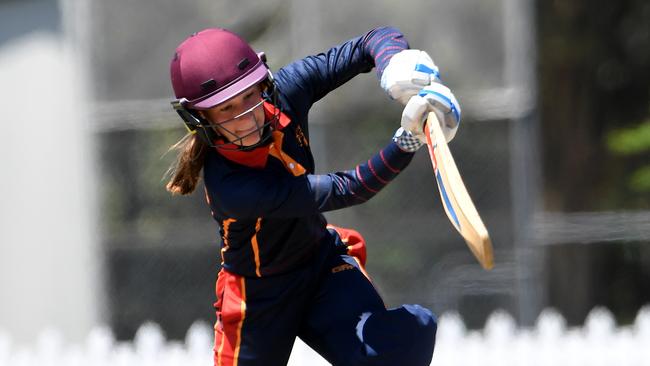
(457, 203)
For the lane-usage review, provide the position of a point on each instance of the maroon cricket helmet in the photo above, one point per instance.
(214, 65)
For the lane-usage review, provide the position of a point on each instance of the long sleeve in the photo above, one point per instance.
(252, 193)
(306, 81)
(342, 189)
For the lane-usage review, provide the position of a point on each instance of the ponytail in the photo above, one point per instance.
(187, 168)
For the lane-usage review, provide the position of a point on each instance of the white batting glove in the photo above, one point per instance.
(407, 72)
(432, 98)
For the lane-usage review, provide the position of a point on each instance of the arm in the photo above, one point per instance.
(342, 189)
(306, 81)
(259, 194)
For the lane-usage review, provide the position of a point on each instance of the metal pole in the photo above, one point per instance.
(520, 60)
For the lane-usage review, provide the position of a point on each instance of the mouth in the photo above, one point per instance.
(243, 133)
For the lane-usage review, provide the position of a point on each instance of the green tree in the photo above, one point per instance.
(633, 141)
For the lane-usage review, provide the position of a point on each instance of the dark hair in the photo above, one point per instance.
(185, 172)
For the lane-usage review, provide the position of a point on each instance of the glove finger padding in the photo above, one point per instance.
(447, 108)
(407, 72)
(418, 107)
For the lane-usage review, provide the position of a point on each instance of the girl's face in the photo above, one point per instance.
(239, 119)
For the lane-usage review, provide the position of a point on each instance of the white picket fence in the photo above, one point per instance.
(599, 342)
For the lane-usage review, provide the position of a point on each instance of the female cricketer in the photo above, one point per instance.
(284, 271)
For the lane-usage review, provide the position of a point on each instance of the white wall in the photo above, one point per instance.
(49, 260)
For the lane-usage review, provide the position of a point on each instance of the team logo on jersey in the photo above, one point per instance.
(342, 267)
(300, 136)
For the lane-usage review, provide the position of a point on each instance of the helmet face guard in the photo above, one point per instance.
(207, 130)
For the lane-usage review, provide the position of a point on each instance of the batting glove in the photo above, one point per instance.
(406, 141)
(407, 72)
(435, 98)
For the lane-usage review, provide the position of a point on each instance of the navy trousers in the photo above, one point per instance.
(330, 304)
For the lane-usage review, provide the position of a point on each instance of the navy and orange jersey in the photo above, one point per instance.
(268, 202)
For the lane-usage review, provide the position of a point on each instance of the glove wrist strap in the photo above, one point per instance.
(406, 141)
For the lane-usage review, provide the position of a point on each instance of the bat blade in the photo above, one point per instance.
(458, 204)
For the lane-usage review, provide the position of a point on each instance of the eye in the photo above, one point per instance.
(249, 95)
(225, 108)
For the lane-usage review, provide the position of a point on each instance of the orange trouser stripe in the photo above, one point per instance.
(228, 333)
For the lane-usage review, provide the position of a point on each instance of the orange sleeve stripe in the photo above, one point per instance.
(256, 248)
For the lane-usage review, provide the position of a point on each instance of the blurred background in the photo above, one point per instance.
(554, 148)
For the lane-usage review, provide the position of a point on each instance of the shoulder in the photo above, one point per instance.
(215, 169)
(214, 163)
(290, 77)
(230, 186)
(293, 95)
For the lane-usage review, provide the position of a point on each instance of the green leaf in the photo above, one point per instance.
(631, 140)
(640, 179)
